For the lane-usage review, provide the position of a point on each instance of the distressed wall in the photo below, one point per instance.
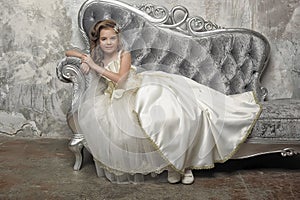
(35, 33)
(33, 38)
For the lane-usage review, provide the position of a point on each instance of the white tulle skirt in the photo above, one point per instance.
(160, 121)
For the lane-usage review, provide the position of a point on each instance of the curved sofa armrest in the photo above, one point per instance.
(68, 70)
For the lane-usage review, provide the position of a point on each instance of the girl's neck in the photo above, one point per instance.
(107, 58)
(110, 56)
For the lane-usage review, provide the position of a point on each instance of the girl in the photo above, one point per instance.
(144, 123)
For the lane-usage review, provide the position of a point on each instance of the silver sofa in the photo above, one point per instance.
(235, 58)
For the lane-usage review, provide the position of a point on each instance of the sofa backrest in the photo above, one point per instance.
(228, 60)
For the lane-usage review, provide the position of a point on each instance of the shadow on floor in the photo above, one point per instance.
(268, 161)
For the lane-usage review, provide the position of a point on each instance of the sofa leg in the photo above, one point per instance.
(76, 146)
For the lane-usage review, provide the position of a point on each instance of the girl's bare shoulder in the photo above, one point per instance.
(125, 53)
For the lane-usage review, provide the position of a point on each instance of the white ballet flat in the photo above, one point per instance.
(188, 177)
(173, 176)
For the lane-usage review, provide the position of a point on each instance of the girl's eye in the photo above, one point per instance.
(103, 39)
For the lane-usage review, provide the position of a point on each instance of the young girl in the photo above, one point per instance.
(144, 123)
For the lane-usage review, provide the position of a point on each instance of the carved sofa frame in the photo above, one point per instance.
(239, 58)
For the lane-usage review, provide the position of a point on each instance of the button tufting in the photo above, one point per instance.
(92, 17)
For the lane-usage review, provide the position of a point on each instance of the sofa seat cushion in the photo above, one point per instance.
(279, 121)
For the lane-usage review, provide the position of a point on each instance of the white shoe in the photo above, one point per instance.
(188, 177)
(173, 176)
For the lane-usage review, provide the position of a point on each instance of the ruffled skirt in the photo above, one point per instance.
(164, 121)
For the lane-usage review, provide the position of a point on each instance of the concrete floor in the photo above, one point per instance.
(42, 169)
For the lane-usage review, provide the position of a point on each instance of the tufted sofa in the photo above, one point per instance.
(230, 60)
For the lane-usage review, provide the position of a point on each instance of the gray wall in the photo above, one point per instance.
(35, 33)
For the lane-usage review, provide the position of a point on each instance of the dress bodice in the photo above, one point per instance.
(117, 89)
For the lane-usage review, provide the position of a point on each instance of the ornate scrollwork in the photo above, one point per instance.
(68, 71)
(198, 24)
(182, 23)
(288, 152)
(177, 18)
(174, 19)
(158, 12)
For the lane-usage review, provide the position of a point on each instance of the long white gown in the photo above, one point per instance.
(157, 120)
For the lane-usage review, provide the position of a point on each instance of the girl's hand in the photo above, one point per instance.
(89, 61)
(91, 64)
(84, 68)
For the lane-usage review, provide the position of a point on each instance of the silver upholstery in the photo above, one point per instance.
(228, 60)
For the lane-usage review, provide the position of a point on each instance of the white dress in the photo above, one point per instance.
(157, 120)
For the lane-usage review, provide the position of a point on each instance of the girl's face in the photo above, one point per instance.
(109, 41)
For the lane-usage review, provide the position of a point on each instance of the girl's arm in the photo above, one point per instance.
(74, 53)
(115, 77)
